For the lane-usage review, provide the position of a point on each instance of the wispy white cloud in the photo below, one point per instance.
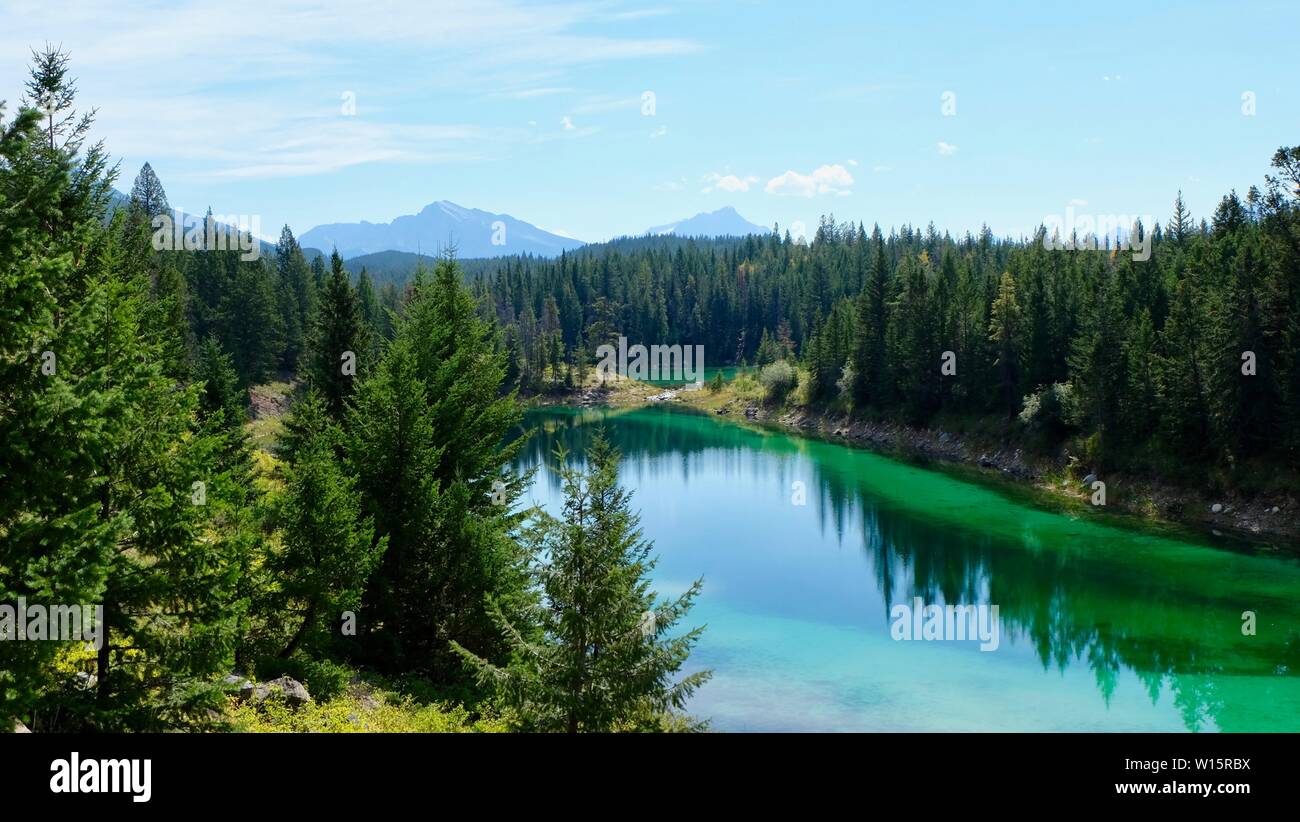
(531, 93)
(728, 182)
(946, 149)
(826, 179)
(638, 14)
(252, 89)
(605, 102)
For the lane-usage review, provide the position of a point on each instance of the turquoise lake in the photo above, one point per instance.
(1101, 626)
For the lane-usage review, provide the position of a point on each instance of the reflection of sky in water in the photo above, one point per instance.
(795, 597)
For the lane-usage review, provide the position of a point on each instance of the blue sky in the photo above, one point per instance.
(785, 111)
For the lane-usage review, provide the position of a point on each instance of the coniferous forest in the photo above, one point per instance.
(1186, 363)
(381, 534)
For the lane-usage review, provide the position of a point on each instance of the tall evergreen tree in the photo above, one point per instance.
(605, 659)
(147, 193)
(427, 434)
(340, 340)
(329, 548)
(1004, 333)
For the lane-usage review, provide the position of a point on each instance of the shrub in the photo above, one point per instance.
(1051, 412)
(324, 679)
(778, 380)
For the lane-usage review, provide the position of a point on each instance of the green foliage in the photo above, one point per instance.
(340, 339)
(295, 296)
(222, 400)
(362, 712)
(1050, 413)
(425, 441)
(103, 509)
(328, 549)
(778, 380)
(323, 678)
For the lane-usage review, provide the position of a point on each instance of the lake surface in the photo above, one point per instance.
(1102, 627)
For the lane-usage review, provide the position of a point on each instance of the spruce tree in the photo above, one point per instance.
(606, 658)
(147, 194)
(1004, 334)
(340, 340)
(329, 549)
(427, 436)
(53, 434)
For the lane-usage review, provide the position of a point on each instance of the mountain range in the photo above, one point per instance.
(395, 247)
(724, 222)
(474, 232)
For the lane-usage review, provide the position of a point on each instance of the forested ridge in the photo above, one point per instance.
(1187, 360)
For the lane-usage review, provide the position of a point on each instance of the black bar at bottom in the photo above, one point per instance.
(240, 773)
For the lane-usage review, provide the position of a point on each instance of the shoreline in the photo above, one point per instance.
(1266, 524)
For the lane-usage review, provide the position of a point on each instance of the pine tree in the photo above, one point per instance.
(391, 448)
(369, 305)
(913, 342)
(329, 548)
(223, 403)
(147, 194)
(605, 658)
(339, 342)
(1181, 226)
(105, 503)
(55, 543)
(51, 90)
(171, 613)
(1182, 378)
(249, 320)
(427, 436)
(1004, 333)
(295, 295)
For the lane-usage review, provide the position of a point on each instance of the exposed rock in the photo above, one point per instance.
(293, 691)
(239, 687)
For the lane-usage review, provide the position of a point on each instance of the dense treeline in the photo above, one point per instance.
(1142, 363)
(383, 534)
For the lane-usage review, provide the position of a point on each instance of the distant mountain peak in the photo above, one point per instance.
(723, 222)
(474, 232)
